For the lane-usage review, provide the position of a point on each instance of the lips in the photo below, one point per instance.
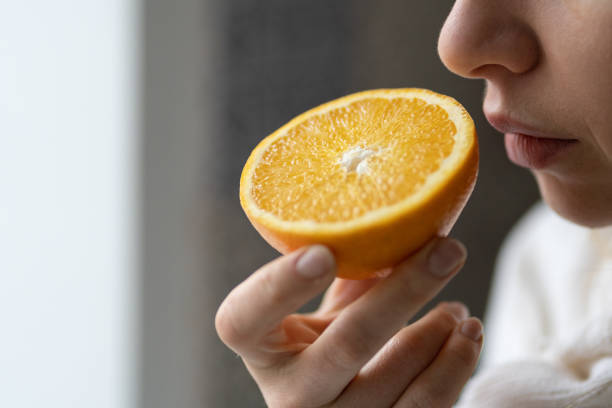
(533, 152)
(527, 146)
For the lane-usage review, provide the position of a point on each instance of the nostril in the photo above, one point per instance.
(489, 71)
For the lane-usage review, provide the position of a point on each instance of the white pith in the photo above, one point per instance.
(356, 159)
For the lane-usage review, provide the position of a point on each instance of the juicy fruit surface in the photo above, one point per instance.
(373, 176)
(343, 163)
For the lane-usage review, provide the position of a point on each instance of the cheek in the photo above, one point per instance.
(587, 68)
(595, 106)
(585, 80)
(576, 78)
(602, 135)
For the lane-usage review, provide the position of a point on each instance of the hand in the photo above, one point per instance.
(355, 350)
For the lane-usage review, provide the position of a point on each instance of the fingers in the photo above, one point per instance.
(259, 304)
(343, 292)
(366, 325)
(383, 379)
(441, 383)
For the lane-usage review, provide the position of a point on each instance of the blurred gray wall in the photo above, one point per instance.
(220, 76)
(179, 45)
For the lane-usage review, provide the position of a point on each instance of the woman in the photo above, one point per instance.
(547, 67)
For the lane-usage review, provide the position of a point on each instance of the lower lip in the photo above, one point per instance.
(533, 152)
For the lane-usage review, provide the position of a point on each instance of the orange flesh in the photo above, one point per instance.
(306, 174)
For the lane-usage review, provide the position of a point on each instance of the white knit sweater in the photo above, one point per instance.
(548, 329)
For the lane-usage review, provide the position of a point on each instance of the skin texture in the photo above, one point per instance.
(546, 65)
(355, 350)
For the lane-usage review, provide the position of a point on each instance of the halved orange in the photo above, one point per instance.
(373, 176)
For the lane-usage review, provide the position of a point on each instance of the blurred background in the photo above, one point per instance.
(124, 126)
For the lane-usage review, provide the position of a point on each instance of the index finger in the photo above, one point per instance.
(260, 303)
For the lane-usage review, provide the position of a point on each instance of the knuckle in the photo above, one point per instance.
(410, 348)
(347, 351)
(439, 323)
(410, 344)
(414, 290)
(445, 319)
(228, 329)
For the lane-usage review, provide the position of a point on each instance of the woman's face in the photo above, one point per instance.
(548, 70)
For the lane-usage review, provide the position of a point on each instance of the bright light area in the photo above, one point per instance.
(68, 201)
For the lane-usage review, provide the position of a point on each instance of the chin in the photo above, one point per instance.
(581, 203)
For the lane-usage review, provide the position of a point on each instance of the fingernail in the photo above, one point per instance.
(315, 262)
(458, 310)
(446, 256)
(472, 328)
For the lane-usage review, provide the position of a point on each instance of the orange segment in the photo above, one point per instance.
(372, 175)
(346, 162)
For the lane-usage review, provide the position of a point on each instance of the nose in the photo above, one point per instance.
(483, 37)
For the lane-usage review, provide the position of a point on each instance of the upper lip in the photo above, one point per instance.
(505, 124)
